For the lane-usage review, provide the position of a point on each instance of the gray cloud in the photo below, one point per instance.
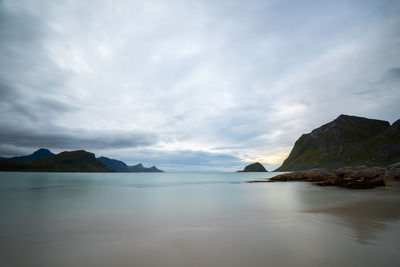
(392, 75)
(74, 140)
(212, 81)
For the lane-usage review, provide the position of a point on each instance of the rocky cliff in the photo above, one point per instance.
(347, 140)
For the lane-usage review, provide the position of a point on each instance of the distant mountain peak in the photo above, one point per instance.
(41, 153)
(140, 168)
(343, 116)
(120, 166)
(42, 149)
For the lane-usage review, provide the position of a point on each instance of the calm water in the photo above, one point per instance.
(192, 219)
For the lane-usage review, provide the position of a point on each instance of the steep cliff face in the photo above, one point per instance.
(347, 140)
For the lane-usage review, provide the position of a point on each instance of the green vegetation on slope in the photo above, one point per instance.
(347, 140)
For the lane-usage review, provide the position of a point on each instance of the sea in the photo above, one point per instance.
(192, 219)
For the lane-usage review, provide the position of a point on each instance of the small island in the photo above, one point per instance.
(254, 167)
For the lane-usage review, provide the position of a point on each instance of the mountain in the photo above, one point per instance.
(347, 140)
(254, 167)
(120, 166)
(38, 154)
(73, 161)
(43, 160)
(139, 168)
(113, 164)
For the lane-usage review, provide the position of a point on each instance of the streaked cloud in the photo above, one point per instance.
(169, 83)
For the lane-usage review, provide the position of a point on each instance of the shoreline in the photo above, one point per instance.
(352, 177)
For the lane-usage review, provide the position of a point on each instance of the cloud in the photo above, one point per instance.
(93, 140)
(201, 78)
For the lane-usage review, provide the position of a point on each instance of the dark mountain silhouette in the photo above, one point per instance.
(113, 164)
(254, 167)
(139, 168)
(121, 166)
(43, 160)
(73, 161)
(38, 154)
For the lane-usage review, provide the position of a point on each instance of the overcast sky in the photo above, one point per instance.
(191, 85)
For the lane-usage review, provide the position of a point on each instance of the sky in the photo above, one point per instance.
(188, 85)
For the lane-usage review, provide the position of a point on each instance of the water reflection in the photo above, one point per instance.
(366, 217)
(173, 184)
(191, 220)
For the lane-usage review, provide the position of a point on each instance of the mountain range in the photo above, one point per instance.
(120, 166)
(345, 141)
(43, 160)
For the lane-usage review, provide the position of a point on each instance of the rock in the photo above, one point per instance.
(394, 174)
(347, 171)
(328, 182)
(391, 177)
(314, 175)
(393, 166)
(254, 167)
(365, 184)
(259, 181)
(367, 173)
(293, 176)
(357, 177)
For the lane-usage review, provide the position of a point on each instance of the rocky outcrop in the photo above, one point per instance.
(254, 167)
(353, 177)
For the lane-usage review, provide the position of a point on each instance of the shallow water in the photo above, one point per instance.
(192, 219)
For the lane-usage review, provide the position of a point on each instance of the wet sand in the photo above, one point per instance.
(173, 220)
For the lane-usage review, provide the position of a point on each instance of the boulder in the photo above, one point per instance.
(393, 166)
(365, 184)
(367, 173)
(347, 171)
